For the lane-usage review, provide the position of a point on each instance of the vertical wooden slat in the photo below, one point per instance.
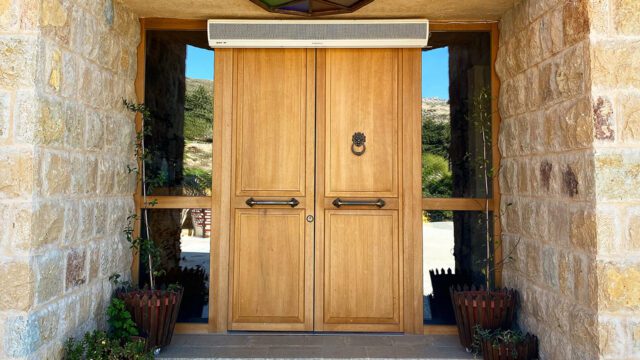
(495, 151)
(221, 200)
(412, 190)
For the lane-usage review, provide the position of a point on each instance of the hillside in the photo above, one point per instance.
(192, 84)
(436, 109)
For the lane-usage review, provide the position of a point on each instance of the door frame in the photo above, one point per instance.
(411, 185)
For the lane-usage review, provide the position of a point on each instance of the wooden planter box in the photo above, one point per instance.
(490, 309)
(155, 313)
(526, 350)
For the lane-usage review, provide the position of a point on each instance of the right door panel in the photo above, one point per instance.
(358, 247)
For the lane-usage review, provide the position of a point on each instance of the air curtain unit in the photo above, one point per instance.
(318, 33)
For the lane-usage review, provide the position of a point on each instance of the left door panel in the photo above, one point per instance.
(271, 250)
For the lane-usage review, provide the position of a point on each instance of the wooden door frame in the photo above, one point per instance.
(219, 202)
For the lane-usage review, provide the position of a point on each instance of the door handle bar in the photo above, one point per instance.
(293, 202)
(339, 203)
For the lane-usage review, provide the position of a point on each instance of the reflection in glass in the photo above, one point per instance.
(456, 72)
(183, 235)
(179, 95)
(454, 252)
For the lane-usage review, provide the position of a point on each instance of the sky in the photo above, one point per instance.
(435, 69)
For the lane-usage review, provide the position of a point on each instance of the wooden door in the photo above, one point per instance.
(271, 247)
(358, 244)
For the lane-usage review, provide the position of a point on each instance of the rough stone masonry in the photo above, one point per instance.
(65, 142)
(570, 141)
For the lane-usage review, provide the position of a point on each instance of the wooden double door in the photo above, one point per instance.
(316, 190)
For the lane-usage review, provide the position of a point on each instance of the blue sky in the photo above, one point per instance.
(435, 69)
(199, 63)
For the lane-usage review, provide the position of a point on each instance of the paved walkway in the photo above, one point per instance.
(217, 346)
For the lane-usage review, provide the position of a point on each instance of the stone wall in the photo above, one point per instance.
(65, 141)
(547, 175)
(570, 102)
(615, 73)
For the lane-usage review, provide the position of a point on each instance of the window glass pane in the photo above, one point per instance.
(183, 236)
(456, 107)
(454, 252)
(179, 95)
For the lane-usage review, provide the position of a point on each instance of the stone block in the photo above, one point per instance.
(575, 24)
(585, 284)
(534, 46)
(603, 118)
(5, 112)
(571, 77)
(628, 108)
(615, 63)
(22, 336)
(617, 175)
(583, 230)
(634, 330)
(565, 273)
(56, 177)
(625, 16)
(18, 219)
(91, 175)
(17, 61)
(95, 131)
(55, 21)
(48, 323)
(557, 30)
(606, 231)
(76, 273)
(74, 120)
(50, 282)
(18, 286)
(632, 232)
(576, 130)
(50, 127)
(48, 220)
(612, 336)
(87, 220)
(78, 175)
(618, 286)
(106, 176)
(18, 174)
(599, 11)
(550, 267)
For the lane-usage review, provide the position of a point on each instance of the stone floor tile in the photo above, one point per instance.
(214, 340)
(445, 340)
(344, 352)
(295, 352)
(369, 340)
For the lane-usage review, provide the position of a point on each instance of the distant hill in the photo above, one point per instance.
(437, 109)
(192, 84)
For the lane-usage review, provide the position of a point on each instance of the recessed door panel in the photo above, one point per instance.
(271, 122)
(361, 285)
(269, 268)
(362, 97)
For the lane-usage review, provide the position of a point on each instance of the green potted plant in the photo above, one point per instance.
(121, 342)
(153, 310)
(501, 344)
(482, 304)
(98, 345)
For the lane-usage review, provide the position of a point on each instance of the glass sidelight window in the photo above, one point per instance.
(178, 138)
(179, 95)
(457, 165)
(183, 235)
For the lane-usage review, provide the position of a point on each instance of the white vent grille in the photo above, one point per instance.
(317, 34)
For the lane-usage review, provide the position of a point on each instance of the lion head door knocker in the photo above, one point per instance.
(358, 147)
